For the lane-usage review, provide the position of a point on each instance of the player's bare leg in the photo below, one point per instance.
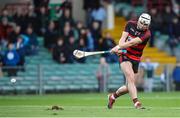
(130, 87)
(130, 78)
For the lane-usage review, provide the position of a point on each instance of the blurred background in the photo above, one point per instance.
(37, 38)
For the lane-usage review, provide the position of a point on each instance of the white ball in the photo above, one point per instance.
(13, 80)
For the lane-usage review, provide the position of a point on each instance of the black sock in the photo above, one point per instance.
(120, 94)
(115, 95)
(135, 100)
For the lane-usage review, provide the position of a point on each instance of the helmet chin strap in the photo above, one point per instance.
(139, 28)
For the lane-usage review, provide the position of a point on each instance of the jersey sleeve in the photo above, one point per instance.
(146, 36)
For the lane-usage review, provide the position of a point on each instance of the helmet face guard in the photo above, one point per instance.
(144, 21)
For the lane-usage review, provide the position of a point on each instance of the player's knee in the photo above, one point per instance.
(131, 81)
(130, 78)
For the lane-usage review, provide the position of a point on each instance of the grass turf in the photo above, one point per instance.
(89, 105)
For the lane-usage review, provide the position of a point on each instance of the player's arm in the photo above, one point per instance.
(123, 37)
(122, 40)
(122, 44)
(135, 41)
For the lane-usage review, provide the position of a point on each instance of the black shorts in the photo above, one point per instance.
(135, 64)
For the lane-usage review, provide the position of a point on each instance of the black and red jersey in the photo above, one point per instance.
(135, 52)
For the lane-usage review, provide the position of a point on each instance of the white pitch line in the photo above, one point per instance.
(93, 117)
(94, 107)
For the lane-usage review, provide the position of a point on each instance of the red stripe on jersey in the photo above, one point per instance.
(120, 58)
(132, 36)
(133, 57)
(133, 51)
(139, 47)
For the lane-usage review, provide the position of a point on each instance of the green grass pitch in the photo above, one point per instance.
(89, 105)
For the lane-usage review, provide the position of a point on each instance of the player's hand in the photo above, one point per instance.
(115, 49)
